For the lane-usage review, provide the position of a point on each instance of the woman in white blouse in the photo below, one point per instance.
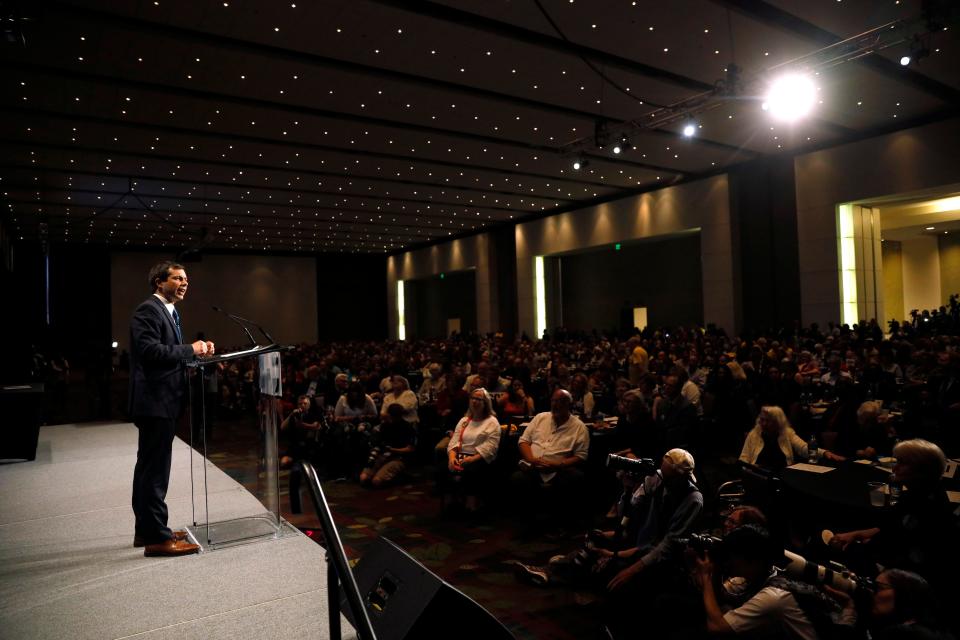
(472, 449)
(772, 443)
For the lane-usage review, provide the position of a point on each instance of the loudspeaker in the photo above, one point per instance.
(405, 600)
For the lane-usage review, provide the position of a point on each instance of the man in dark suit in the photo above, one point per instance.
(158, 389)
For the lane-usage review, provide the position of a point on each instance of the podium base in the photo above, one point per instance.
(246, 530)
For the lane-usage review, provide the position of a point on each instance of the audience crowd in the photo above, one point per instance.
(540, 417)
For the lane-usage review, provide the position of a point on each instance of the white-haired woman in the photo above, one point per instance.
(772, 443)
(472, 450)
(921, 533)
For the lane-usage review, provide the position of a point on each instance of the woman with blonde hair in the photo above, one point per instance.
(772, 443)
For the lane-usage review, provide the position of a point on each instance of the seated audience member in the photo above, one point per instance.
(487, 377)
(452, 400)
(554, 446)
(688, 389)
(355, 406)
(515, 402)
(902, 608)
(772, 443)
(390, 444)
(400, 394)
(743, 515)
(696, 371)
(301, 428)
(835, 372)
(921, 532)
(776, 389)
(870, 437)
(634, 435)
(808, 368)
(341, 382)
(776, 607)
(518, 370)
(354, 409)
(674, 417)
(473, 448)
(582, 399)
(432, 384)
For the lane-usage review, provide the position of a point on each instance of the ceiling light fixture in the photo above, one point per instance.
(790, 97)
(688, 130)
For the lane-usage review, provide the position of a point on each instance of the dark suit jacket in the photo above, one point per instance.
(158, 379)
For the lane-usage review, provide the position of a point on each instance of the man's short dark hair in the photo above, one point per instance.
(160, 272)
(752, 542)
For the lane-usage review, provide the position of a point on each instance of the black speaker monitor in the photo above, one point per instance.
(405, 600)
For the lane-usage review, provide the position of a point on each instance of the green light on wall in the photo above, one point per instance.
(616, 247)
(442, 276)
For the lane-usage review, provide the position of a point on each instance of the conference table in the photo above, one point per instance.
(839, 492)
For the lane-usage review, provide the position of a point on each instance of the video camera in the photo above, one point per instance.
(637, 466)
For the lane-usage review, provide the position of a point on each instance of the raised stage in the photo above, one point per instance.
(68, 568)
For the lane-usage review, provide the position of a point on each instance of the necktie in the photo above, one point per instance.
(176, 323)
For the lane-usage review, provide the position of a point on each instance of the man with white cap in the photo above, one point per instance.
(663, 507)
(666, 505)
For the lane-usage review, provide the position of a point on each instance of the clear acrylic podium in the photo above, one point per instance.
(223, 516)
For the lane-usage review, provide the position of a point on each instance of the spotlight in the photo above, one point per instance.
(616, 148)
(689, 130)
(918, 51)
(623, 145)
(579, 163)
(791, 97)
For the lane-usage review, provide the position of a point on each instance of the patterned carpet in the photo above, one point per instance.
(473, 556)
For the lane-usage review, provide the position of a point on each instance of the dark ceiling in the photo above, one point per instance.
(378, 125)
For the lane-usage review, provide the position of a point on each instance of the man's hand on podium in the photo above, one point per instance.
(210, 348)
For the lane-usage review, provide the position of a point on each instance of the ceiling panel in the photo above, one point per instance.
(379, 125)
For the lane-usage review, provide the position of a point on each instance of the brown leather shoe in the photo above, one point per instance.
(177, 535)
(171, 548)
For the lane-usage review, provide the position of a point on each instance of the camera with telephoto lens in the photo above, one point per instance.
(835, 575)
(636, 466)
(702, 543)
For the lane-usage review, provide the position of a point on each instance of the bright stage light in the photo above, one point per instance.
(689, 130)
(790, 97)
(905, 61)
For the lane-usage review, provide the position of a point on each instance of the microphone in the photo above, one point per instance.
(237, 320)
(259, 328)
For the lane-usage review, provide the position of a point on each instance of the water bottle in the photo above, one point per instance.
(813, 454)
(893, 489)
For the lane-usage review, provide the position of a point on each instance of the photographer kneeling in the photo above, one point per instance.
(390, 444)
(663, 507)
(774, 606)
